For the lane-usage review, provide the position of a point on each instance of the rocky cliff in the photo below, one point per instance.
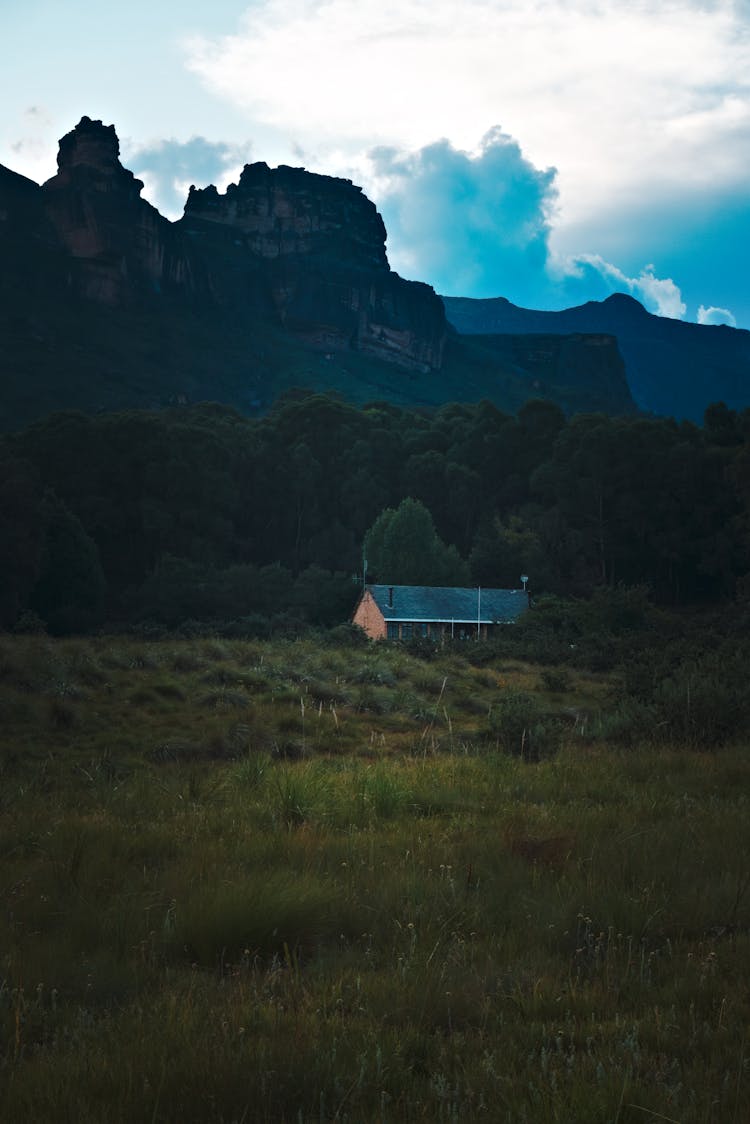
(289, 212)
(313, 248)
(120, 245)
(280, 281)
(308, 249)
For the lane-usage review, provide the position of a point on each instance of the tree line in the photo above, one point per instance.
(200, 513)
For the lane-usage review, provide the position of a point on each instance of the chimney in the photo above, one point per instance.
(390, 596)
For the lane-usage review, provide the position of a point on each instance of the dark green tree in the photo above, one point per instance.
(403, 547)
(70, 590)
(502, 552)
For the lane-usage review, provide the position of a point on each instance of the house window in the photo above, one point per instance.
(406, 631)
(392, 631)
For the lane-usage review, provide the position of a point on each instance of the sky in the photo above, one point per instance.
(547, 151)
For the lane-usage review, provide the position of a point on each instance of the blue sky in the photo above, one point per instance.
(548, 151)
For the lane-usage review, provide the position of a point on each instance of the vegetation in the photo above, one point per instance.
(321, 880)
(249, 525)
(251, 869)
(403, 547)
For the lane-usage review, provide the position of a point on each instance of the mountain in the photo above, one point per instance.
(282, 280)
(673, 367)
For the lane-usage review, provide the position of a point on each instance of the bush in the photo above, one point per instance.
(700, 707)
(518, 725)
(422, 648)
(555, 679)
(347, 636)
(632, 723)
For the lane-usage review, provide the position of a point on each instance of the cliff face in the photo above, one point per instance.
(308, 250)
(313, 248)
(285, 211)
(673, 367)
(120, 245)
(280, 281)
(581, 372)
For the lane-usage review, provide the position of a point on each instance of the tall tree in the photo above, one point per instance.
(403, 547)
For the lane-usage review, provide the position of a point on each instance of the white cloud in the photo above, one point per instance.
(472, 224)
(658, 294)
(661, 293)
(713, 315)
(169, 167)
(32, 139)
(615, 96)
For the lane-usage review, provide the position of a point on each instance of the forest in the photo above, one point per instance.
(199, 514)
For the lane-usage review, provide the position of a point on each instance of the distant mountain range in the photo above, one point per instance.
(673, 367)
(283, 281)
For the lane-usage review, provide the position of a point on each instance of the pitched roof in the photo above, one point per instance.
(448, 603)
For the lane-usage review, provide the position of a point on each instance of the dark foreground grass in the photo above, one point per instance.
(295, 883)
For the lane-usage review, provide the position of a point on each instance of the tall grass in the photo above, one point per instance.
(411, 921)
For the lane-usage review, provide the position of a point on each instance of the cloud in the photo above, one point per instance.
(31, 145)
(714, 315)
(658, 294)
(617, 97)
(169, 167)
(470, 224)
(642, 108)
(478, 225)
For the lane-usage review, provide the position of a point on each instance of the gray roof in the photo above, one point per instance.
(448, 603)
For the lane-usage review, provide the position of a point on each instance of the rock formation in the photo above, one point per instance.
(120, 243)
(306, 249)
(282, 212)
(314, 248)
(280, 281)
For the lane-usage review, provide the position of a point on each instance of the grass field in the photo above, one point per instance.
(299, 882)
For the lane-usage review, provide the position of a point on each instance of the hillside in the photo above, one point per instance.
(283, 280)
(673, 368)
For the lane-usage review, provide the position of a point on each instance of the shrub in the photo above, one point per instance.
(347, 636)
(511, 720)
(555, 679)
(700, 707)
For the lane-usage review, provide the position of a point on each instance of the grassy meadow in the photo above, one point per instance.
(298, 881)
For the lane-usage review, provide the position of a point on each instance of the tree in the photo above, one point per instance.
(504, 551)
(70, 589)
(21, 537)
(403, 547)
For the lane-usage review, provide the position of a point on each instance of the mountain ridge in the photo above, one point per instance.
(674, 367)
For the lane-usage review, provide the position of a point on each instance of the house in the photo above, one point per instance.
(400, 612)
